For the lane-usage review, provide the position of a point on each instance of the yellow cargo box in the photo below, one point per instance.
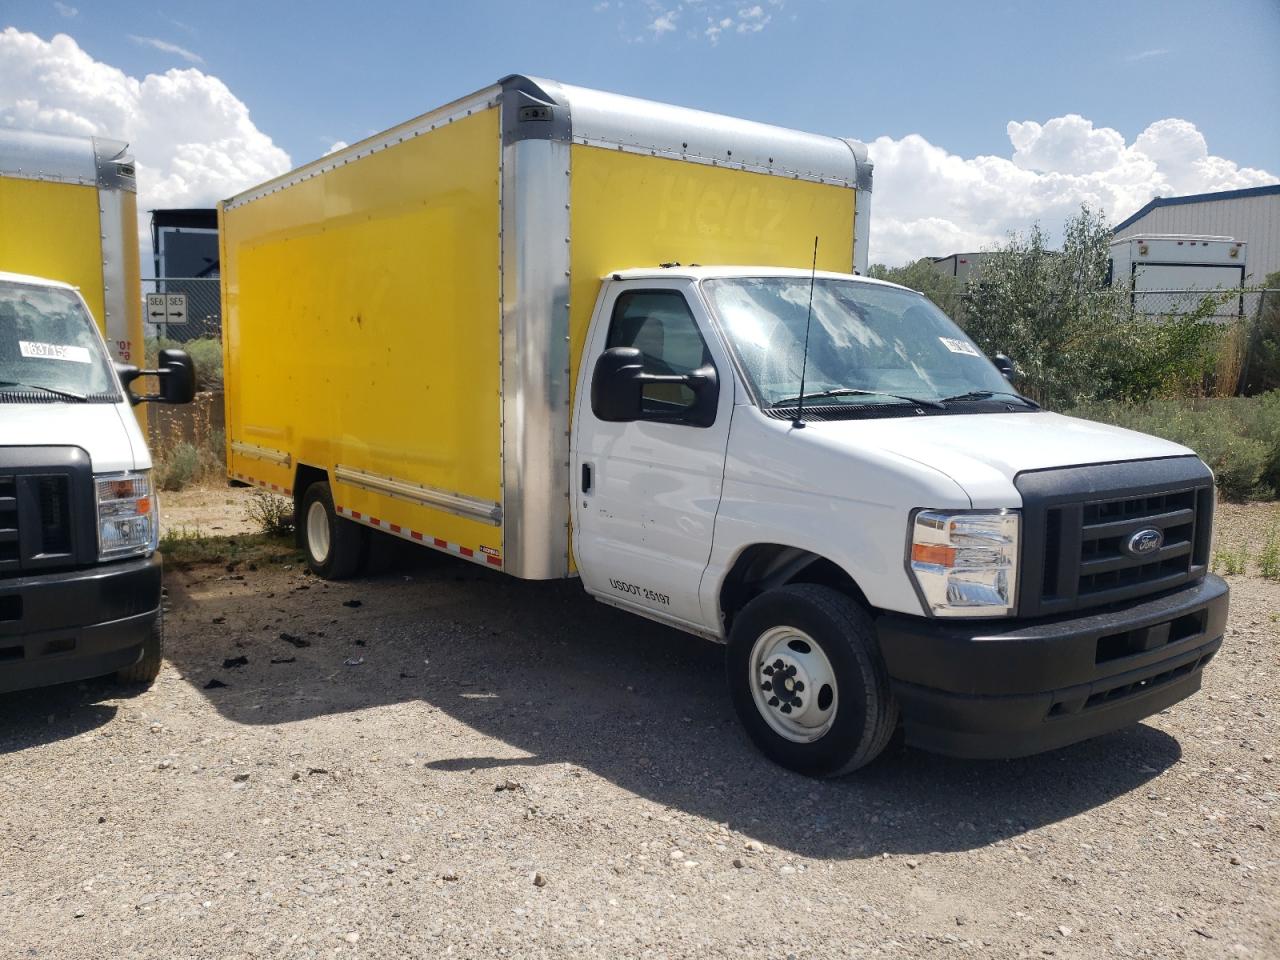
(69, 212)
(402, 319)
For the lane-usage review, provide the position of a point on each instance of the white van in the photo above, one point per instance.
(79, 528)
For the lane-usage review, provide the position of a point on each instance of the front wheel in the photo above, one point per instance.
(808, 682)
(148, 666)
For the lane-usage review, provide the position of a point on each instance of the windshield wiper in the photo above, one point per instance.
(851, 392)
(70, 395)
(987, 395)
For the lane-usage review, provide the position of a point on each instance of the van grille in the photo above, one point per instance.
(1080, 552)
(38, 521)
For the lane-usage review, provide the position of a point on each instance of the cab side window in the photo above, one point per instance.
(660, 325)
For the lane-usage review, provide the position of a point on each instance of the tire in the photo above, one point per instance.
(821, 634)
(146, 670)
(335, 546)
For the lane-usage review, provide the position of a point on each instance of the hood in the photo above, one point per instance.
(984, 452)
(108, 432)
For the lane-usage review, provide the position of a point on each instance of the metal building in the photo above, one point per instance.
(1251, 215)
(960, 265)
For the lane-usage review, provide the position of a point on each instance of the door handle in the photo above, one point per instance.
(586, 478)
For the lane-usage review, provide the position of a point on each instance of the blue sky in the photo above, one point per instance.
(956, 74)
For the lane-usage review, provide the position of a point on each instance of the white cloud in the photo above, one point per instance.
(1146, 54)
(336, 146)
(67, 11)
(192, 138)
(931, 202)
(718, 18)
(164, 46)
(665, 22)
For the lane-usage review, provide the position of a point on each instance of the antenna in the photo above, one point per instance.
(798, 422)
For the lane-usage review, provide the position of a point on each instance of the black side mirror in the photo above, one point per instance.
(1006, 366)
(177, 373)
(618, 383)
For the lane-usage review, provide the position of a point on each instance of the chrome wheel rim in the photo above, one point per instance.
(793, 684)
(318, 532)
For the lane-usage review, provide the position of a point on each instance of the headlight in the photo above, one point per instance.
(965, 563)
(128, 521)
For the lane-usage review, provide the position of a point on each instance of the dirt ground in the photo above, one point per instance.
(441, 761)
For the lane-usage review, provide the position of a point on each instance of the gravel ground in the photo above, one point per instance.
(443, 761)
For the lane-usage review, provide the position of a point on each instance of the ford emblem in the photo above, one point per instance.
(1144, 542)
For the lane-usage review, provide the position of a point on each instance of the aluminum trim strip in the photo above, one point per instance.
(261, 453)
(645, 126)
(121, 285)
(458, 503)
(711, 161)
(485, 99)
(535, 357)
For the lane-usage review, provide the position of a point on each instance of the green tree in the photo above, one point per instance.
(1074, 337)
(921, 275)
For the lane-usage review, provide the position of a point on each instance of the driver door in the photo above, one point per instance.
(646, 491)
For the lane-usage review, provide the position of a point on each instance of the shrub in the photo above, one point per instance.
(178, 467)
(1238, 437)
(206, 353)
(1076, 339)
(272, 514)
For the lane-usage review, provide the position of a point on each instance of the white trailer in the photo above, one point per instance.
(1170, 275)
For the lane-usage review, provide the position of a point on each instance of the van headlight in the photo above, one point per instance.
(965, 562)
(128, 521)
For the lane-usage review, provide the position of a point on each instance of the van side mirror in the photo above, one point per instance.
(622, 392)
(616, 386)
(177, 373)
(1006, 366)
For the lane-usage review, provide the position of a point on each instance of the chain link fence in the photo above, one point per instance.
(182, 308)
(1225, 306)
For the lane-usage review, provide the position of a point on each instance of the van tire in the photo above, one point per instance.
(335, 546)
(862, 712)
(147, 668)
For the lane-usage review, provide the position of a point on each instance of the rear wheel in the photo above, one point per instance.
(335, 546)
(147, 669)
(808, 682)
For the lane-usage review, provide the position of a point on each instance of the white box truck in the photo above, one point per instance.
(472, 332)
(79, 528)
(1170, 275)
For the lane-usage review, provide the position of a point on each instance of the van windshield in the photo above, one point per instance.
(50, 351)
(868, 345)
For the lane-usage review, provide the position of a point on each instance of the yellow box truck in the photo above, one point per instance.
(566, 333)
(69, 212)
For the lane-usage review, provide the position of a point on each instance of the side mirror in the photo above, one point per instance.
(177, 377)
(1006, 366)
(618, 386)
(177, 373)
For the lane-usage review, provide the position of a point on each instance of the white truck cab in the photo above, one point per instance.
(79, 528)
(878, 523)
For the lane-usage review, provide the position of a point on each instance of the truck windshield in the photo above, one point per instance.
(50, 351)
(868, 344)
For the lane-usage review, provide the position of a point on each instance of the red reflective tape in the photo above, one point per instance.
(466, 551)
(494, 561)
(355, 514)
(375, 521)
(395, 528)
(442, 544)
(415, 534)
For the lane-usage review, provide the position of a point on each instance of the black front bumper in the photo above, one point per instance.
(1016, 687)
(57, 627)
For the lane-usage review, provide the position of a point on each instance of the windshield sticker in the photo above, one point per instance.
(960, 346)
(54, 351)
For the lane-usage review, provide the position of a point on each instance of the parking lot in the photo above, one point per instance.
(439, 760)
